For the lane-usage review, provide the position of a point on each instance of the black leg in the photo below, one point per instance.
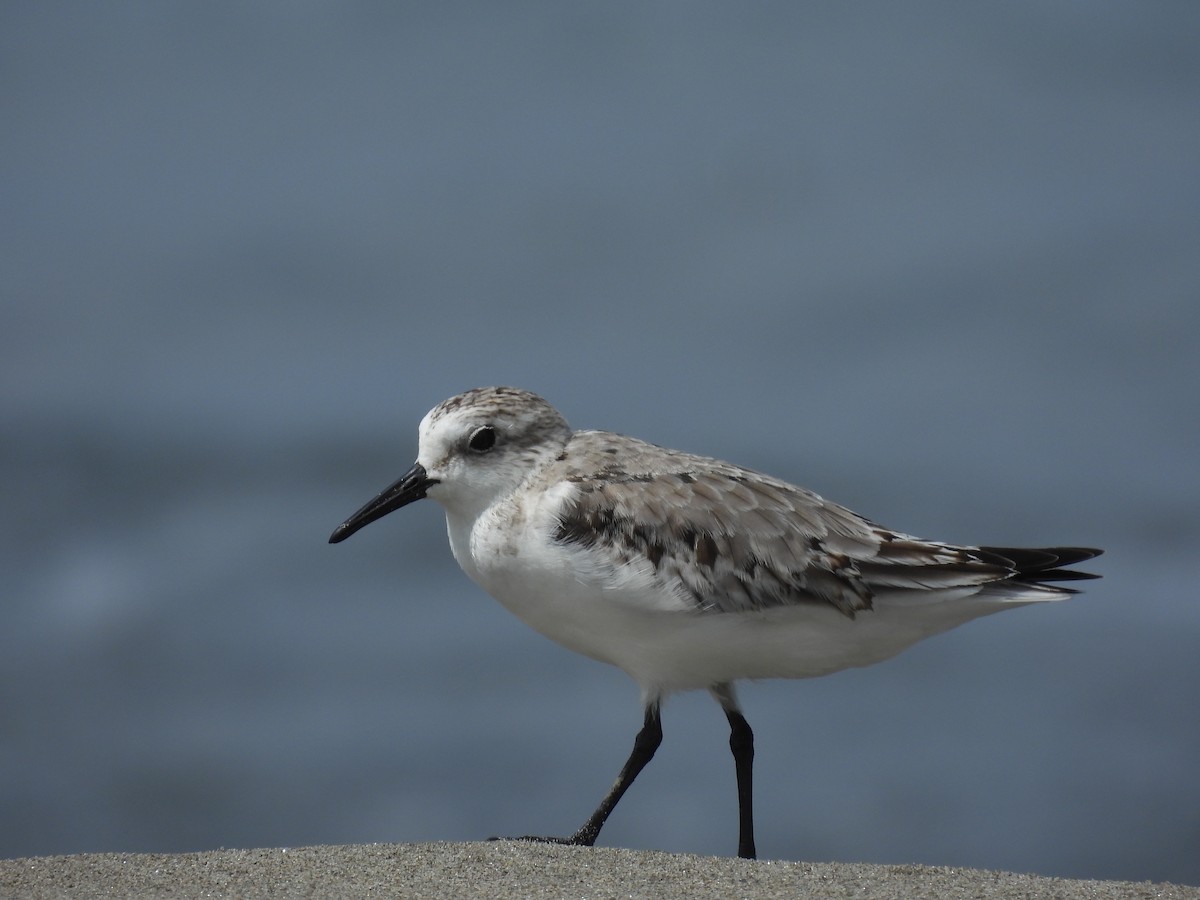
(741, 742)
(644, 745)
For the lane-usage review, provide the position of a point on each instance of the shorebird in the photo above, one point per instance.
(688, 572)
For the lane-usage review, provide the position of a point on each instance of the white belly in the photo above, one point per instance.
(625, 616)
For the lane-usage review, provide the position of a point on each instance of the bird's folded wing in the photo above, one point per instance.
(734, 540)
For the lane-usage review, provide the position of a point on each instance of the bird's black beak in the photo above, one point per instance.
(411, 486)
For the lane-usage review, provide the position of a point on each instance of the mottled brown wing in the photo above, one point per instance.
(736, 540)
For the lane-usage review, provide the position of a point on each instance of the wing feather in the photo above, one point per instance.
(735, 540)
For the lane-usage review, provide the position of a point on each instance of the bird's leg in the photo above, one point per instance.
(741, 742)
(644, 745)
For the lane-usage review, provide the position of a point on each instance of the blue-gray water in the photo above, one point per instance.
(938, 262)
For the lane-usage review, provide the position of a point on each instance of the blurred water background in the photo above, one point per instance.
(939, 262)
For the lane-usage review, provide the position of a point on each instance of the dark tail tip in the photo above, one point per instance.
(1045, 564)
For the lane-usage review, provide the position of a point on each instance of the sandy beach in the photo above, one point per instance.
(514, 869)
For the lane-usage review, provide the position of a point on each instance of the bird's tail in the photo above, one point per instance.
(1043, 565)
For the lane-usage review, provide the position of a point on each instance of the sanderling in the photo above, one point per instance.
(684, 571)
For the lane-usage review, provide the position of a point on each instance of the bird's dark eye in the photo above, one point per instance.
(482, 439)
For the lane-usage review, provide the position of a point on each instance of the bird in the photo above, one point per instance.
(687, 572)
